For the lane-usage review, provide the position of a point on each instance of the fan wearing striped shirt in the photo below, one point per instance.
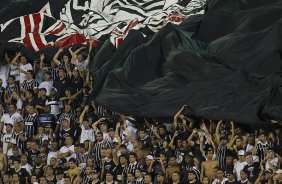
(31, 122)
(30, 83)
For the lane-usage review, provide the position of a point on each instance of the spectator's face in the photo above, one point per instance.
(67, 108)
(210, 154)
(30, 110)
(251, 140)
(165, 144)
(86, 124)
(206, 180)
(68, 140)
(142, 134)
(29, 75)
(89, 162)
(241, 158)
(137, 174)
(191, 176)
(23, 60)
(262, 138)
(49, 171)
(17, 165)
(122, 160)
(172, 161)
(160, 178)
(11, 109)
(72, 165)
(130, 177)
(60, 176)
(65, 58)
(220, 174)
(47, 77)
(33, 146)
(80, 58)
(15, 178)
(61, 73)
(9, 128)
(229, 160)
(66, 124)
(24, 159)
(109, 177)
(175, 177)
(103, 126)
(184, 144)
(87, 170)
(230, 177)
(132, 159)
(67, 181)
(249, 159)
(43, 180)
(243, 175)
(147, 179)
(162, 131)
(238, 142)
(99, 137)
(11, 81)
(6, 178)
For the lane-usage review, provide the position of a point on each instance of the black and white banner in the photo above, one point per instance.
(67, 22)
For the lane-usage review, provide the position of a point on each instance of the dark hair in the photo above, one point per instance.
(133, 154)
(13, 77)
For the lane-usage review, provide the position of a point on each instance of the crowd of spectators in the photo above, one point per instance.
(53, 132)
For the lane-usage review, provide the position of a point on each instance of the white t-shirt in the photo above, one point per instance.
(87, 134)
(51, 154)
(274, 162)
(81, 65)
(4, 73)
(15, 118)
(6, 139)
(238, 166)
(66, 149)
(25, 68)
(47, 85)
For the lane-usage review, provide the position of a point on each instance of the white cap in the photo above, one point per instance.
(150, 157)
(241, 153)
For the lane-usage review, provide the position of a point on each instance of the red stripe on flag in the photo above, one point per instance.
(27, 24)
(36, 20)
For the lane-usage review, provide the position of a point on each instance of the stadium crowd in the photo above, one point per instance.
(53, 132)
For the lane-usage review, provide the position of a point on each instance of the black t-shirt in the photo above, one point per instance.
(252, 171)
(246, 182)
(31, 156)
(118, 172)
(38, 170)
(23, 174)
(73, 132)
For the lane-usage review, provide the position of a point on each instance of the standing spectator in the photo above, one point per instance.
(30, 83)
(47, 83)
(240, 164)
(252, 168)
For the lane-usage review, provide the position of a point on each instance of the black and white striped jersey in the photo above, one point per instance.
(30, 85)
(31, 125)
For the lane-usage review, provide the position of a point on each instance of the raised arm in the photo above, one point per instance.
(175, 118)
(56, 56)
(81, 118)
(90, 49)
(15, 59)
(217, 132)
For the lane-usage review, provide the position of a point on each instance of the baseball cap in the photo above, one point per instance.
(150, 157)
(241, 153)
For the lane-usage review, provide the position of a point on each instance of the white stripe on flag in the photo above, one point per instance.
(32, 41)
(31, 23)
(22, 27)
